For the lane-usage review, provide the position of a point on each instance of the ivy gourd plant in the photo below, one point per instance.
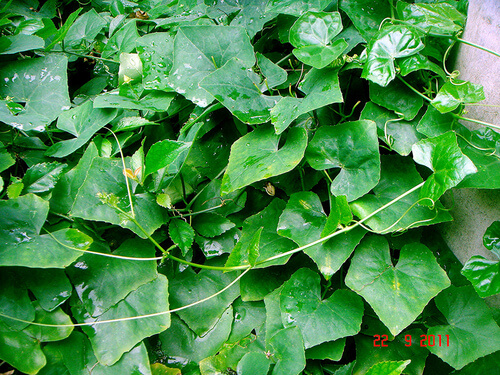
(244, 187)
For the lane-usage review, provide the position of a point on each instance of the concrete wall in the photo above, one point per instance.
(474, 210)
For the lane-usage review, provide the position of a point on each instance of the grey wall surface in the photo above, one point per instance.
(474, 210)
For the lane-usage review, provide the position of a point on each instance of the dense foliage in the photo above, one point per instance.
(239, 187)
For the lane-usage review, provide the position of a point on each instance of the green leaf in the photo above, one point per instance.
(304, 221)
(182, 234)
(398, 134)
(320, 56)
(319, 320)
(331, 350)
(189, 287)
(105, 179)
(484, 275)
(257, 156)
(211, 225)
(419, 62)
(273, 74)
(162, 154)
(321, 88)
(51, 287)
(82, 122)
(21, 245)
(444, 157)
(56, 317)
(247, 317)
(312, 34)
(111, 341)
(440, 19)
(452, 94)
(366, 15)
(288, 351)
(434, 123)
(21, 351)
(43, 177)
(130, 68)
(20, 43)
(14, 301)
(472, 331)
(398, 294)
(480, 146)
(252, 16)
(132, 123)
(123, 40)
(200, 50)
(6, 160)
(159, 369)
(296, 7)
(391, 42)
(61, 33)
(155, 66)
(100, 281)
(253, 363)
(491, 238)
(237, 88)
(398, 98)
(405, 213)
(85, 29)
(180, 341)
(388, 368)
(270, 244)
(353, 147)
(154, 100)
(41, 85)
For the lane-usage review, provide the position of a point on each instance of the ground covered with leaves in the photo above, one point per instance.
(244, 187)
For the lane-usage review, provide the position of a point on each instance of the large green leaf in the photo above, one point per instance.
(21, 245)
(400, 135)
(288, 350)
(319, 320)
(237, 88)
(40, 85)
(388, 368)
(253, 364)
(471, 330)
(304, 220)
(111, 340)
(438, 19)
(312, 34)
(353, 147)
(156, 64)
(398, 98)
(189, 287)
(321, 87)
(452, 94)
(366, 15)
(84, 29)
(444, 157)
(41, 178)
(123, 40)
(133, 97)
(162, 154)
(104, 186)
(480, 146)
(405, 213)
(391, 42)
(51, 287)
(252, 16)
(101, 282)
(257, 156)
(200, 50)
(269, 242)
(247, 317)
(56, 317)
(180, 341)
(296, 7)
(20, 43)
(434, 123)
(82, 122)
(398, 294)
(14, 301)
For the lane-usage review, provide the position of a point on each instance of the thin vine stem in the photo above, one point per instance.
(91, 57)
(414, 89)
(477, 46)
(132, 317)
(476, 121)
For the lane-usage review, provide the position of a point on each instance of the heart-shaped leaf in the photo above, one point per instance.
(353, 147)
(289, 352)
(257, 156)
(319, 320)
(304, 220)
(444, 157)
(366, 15)
(398, 294)
(471, 330)
(452, 94)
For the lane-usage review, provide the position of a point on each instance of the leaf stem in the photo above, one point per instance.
(414, 89)
(477, 46)
(204, 114)
(284, 58)
(91, 57)
(476, 121)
